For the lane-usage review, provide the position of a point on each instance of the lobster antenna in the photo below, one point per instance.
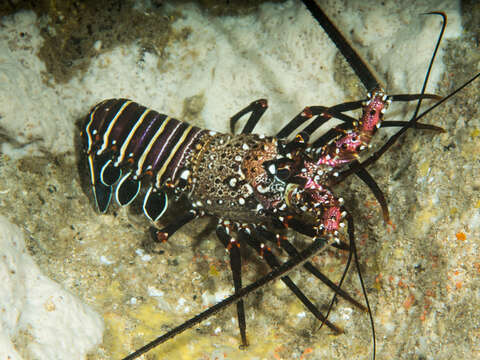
(453, 93)
(353, 253)
(430, 65)
(363, 71)
(376, 155)
(334, 297)
(390, 142)
(359, 273)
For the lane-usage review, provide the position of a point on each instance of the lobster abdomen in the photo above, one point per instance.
(129, 145)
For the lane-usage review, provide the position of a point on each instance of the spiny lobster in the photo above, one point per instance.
(256, 186)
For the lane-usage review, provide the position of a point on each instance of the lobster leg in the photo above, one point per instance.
(420, 126)
(162, 235)
(319, 245)
(365, 176)
(292, 251)
(324, 114)
(348, 121)
(306, 114)
(257, 108)
(236, 266)
(332, 133)
(265, 252)
(307, 230)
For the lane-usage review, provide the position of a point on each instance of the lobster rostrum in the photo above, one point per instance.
(255, 185)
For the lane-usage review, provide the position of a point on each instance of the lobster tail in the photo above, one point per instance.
(128, 146)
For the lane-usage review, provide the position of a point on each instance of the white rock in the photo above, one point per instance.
(36, 311)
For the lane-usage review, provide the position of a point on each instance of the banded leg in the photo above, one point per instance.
(232, 246)
(162, 235)
(348, 121)
(309, 231)
(323, 114)
(292, 252)
(257, 108)
(319, 245)
(265, 252)
(420, 126)
(352, 252)
(306, 230)
(365, 176)
(305, 115)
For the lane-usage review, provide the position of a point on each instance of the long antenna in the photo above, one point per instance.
(363, 71)
(375, 156)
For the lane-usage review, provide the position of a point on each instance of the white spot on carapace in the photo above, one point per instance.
(272, 169)
(249, 188)
(185, 174)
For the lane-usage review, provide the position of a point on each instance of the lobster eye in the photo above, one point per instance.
(283, 173)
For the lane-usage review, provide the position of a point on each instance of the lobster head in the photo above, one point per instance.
(304, 185)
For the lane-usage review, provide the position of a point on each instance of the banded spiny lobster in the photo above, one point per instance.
(255, 185)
